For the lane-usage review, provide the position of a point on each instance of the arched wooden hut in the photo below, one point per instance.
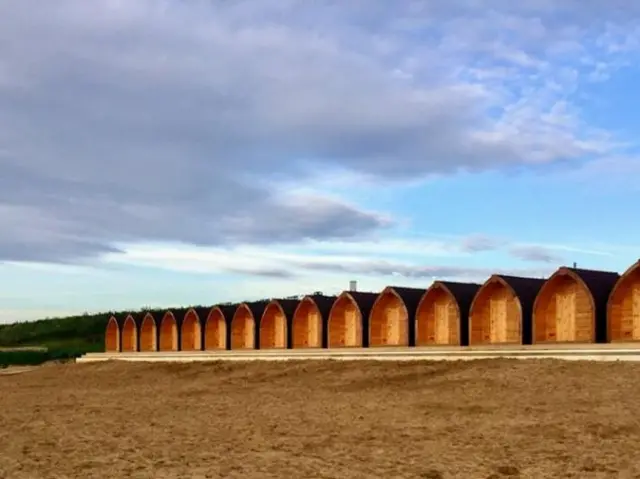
(623, 308)
(442, 317)
(148, 332)
(571, 307)
(129, 335)
(275, 324)
(112, 336)
(348, 319)
(192, 331)
(170, 331)
(244, 333)
(500, 312)
(309, 324)
(391, 321)
(215, 331)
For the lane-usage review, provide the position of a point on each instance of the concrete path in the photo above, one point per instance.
(583, 352)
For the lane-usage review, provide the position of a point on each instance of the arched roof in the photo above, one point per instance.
(322, 302)
(462, 293)
(635, 267)
(409, 296)
(525, 289)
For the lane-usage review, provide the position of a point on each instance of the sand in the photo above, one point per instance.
(308, 420)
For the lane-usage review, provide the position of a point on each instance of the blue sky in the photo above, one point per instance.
(173, 153)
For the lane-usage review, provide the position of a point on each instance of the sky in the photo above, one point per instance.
(162, 153)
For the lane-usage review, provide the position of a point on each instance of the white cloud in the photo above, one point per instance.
(146, 121)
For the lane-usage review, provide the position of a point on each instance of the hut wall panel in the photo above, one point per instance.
(634, 314)
(441, 331)
(129, 336)
(389, 322)
(314, 328)
(112, 336)
(353, 325)
(624, 309)
(498, 319)
(215, 333)
(191, 333)
(243, 330)
(168, 334)
(148, 335)
(425, 325)
(513, 320)
(345, 325)
(307, 326)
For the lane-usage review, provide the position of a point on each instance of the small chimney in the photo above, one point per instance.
(575, 265)
(353, 285)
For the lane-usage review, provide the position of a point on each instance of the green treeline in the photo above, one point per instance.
(34, 342)
(57, 338)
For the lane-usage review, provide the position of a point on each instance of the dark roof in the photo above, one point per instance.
(228, 310)
(526, 289)
(120, 317)
(256, 308)
(324, 303)
(288, 306)
(364, 301)
(462, 292)
(410, 297)
(600, 284)
(202, 312)
(141, 315)
(178, 313)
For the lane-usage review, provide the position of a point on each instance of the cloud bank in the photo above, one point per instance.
(125, 122)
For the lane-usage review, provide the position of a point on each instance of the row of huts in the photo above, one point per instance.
(572, 305)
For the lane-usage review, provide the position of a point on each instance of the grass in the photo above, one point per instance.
(478, 419)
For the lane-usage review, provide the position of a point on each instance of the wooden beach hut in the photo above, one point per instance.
(500, 312)
(244, 333)
(191, 328)
(216, 327)
(148, 332)
(349, 318)
(623, 308)
(112, 336)
(571, 307)
(309, 324)
(442, 317)
(170, 331)
(391, 321)
(129, 335)
(275, 330)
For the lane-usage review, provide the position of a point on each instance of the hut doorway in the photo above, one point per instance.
(273, 328)
(345, 324)
(129, 335)
(307, 325)
(112, 336)
(389, 321)
(215, 332)
(191, 332)
(169, 333)
(148, 334)
(243, 327)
